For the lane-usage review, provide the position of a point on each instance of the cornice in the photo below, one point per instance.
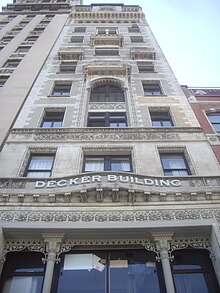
(88, 134)
(108, 130)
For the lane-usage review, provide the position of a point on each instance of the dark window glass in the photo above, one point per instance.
(79, 29)
(67, 67)
(152, 89)
(136, 39)
(3, 80)
(52, 119)
(12, 64)
(124, 271)
(23, 272)
(193, 272)
(107, 93)
(61, 90)
(107, 31)
(77, 39)
(215, 120)
(174, 164)
(145, 67)
(107, 163)
(40, 166)
(107, 120)
(32, 38)
(161, 119)
(107, 52)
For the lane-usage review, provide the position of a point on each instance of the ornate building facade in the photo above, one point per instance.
(107, 181)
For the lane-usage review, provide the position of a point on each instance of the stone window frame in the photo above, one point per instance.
(144, 65)
(36, 150)
(60, 83)
(137, 39)
(156, 83)
(177, 149)
(162, 110)
(51, 109)
(103, 150)
(77, 39)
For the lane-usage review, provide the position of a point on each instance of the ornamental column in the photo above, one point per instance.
(163, 246)
(53, 243)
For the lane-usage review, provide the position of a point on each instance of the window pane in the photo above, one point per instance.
(214, 118)
(133, 272)
(41, 163)
(190, 283)
(44, 174)
(46, 124)
(174, 165)
(83, 273)
(118, 124)
(120, 164)
(94, 164)
(23, 284)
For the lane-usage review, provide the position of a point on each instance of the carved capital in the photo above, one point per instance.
(162, 241)
(53, 243)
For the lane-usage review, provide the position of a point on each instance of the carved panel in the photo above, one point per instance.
(108, 216)
(107, 137)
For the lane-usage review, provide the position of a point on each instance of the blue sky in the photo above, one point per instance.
(188, 32)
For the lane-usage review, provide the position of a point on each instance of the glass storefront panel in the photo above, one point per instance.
(82, 273)
(193, 272)
(133, 272)
(127, 271)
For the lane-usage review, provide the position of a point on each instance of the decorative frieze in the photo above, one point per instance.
(111, 216)
(108, 137)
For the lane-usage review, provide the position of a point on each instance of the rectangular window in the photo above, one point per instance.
(137, 39)
(107, 120)
(40, 165)
(134, 29)
(23, 272)
(79, 29)
(107, 31)
(77, 39)
(22, 49)
(107, 52)
(174, 164)
(31, 38)
(12, 63)
(60, 89)
(107, 163)
(215, 120)
(52, 119)
(152, 89)
(3, 80)
(145, 67)
(68, 67)
(161, 119)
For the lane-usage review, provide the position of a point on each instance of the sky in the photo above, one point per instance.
(188, 32)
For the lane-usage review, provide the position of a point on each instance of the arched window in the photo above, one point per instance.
(107, 93)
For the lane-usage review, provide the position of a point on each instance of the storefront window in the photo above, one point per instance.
(193, 272)
(118, 271)
(23, 272)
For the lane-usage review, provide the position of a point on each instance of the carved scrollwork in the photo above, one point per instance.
(19, 245)
(110, 216)
(202, 242)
